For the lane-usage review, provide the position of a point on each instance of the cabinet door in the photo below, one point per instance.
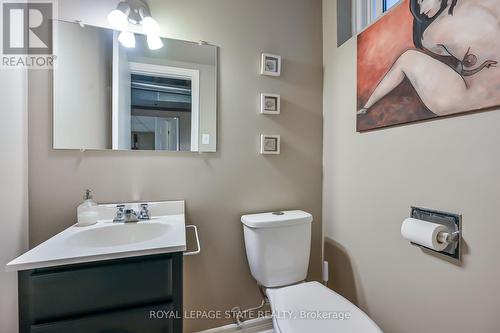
(152, 319)
(60, 293)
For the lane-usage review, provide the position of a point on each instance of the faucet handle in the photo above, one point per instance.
(144, 213)
(120, 213)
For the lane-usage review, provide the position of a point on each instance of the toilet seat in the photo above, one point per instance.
(312, 307)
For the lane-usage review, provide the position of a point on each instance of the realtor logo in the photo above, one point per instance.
(27, 40)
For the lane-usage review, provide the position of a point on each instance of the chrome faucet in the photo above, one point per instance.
(129, 215)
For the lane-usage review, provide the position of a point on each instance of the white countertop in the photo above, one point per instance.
(67, 247)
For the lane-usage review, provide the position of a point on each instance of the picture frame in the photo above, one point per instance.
(438, 88)
(270, 144)
(270, 103)
(270, 64)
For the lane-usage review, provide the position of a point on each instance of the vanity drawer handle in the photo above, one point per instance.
(192, 253)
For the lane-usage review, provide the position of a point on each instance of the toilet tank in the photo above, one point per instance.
(278, 245)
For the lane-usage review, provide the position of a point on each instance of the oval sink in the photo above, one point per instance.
(118, 234)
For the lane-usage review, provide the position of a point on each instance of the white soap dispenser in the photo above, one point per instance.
(87, 211)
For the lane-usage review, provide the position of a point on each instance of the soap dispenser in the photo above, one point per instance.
(87, 211)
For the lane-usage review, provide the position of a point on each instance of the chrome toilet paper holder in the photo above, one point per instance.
(453, 224)
(446, 237)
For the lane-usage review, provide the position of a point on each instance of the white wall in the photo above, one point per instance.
(14, 187)
(370, 182)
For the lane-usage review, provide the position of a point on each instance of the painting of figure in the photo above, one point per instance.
(427, 59)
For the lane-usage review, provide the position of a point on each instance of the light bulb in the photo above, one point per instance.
(150, 26)
(154, 42)
(118, 20)
(127, 39)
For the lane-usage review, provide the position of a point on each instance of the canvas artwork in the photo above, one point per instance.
(427, 59)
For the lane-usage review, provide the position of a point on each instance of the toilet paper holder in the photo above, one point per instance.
(446, 237)
(453, 224)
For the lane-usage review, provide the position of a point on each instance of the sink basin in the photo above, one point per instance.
(105, 240)
(118, 235)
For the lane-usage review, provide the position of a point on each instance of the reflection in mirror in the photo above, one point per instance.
(161, 106)
(107, 96)
(355, 15)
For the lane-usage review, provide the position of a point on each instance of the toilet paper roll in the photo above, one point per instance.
(423, 233)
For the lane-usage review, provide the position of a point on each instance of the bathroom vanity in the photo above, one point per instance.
(109, 277)
(105, 296)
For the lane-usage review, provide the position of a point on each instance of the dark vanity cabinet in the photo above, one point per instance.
(132, 295)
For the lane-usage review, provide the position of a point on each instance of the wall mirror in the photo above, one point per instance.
(107, 96)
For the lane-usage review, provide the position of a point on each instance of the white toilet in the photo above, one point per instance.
(278, 246)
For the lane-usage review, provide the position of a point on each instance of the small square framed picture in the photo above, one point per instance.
(270, 144)
(270, 64)
(270, 103)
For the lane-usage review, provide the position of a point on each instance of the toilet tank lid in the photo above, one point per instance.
(276, 219)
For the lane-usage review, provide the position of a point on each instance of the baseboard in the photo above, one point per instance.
(259, 325)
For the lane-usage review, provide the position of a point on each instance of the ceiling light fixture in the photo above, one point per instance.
(135, 12)
(118, 18)
(150, 26)
(127, 39)
(154, 42)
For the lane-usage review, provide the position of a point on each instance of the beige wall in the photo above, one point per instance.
(14, 187)
(83, 89)
(218, 187)
(370, 182)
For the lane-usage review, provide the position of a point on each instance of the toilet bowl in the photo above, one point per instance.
(278, 247)
(312, 307)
